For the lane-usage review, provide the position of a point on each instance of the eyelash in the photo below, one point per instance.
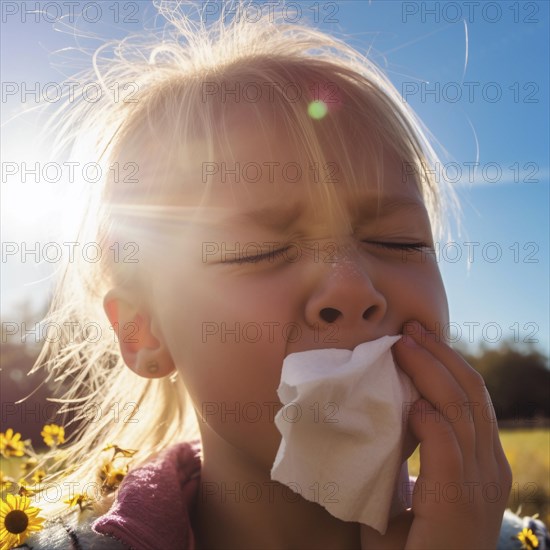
(262, 257)
(418, 247)
(272, 256)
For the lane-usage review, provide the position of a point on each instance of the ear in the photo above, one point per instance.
(143, 351)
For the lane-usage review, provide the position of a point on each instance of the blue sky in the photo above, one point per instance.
(475, 72)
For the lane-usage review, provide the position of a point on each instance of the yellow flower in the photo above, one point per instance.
(38, 476)
(112, 476)
(528, 539)
(78, 500)
(24, 489)
(17, 520)
(11, 444)
(53, 434)
(127, 453)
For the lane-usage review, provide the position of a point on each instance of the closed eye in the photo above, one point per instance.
(419, 247)
(270, 256)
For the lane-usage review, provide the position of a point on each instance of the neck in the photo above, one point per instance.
(239, 506)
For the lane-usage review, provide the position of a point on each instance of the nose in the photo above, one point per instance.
(347, 297)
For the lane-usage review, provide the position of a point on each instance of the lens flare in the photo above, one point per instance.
(317, 109)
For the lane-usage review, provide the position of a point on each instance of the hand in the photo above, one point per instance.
(464, 482)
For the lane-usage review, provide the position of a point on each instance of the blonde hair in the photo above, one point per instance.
(165, 76)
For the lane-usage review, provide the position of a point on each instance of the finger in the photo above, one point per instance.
(437, 385)
(489, 452)
(503, 464)
(485, 419)
(479, 408)
(465, 375)
(440, 453)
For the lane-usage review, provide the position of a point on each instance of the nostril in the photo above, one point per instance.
(329, 314)
(369, 312)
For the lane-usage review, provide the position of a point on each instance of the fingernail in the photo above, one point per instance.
(409, 341)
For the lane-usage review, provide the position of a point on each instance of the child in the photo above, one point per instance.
(267, 192)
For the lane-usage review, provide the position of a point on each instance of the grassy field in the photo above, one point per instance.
(528, 452)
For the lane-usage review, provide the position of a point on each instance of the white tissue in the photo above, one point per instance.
(343, 427)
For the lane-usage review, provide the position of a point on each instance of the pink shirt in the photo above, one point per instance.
(155, 503)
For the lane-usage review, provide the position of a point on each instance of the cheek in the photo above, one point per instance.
(246, 316)
(226, 338)
(418, 293)
(233, 388)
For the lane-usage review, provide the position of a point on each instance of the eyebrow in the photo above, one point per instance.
(280, 218)
(277, 218)
(387, 206)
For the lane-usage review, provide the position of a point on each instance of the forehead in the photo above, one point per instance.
(257, 156)
(264, 170)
